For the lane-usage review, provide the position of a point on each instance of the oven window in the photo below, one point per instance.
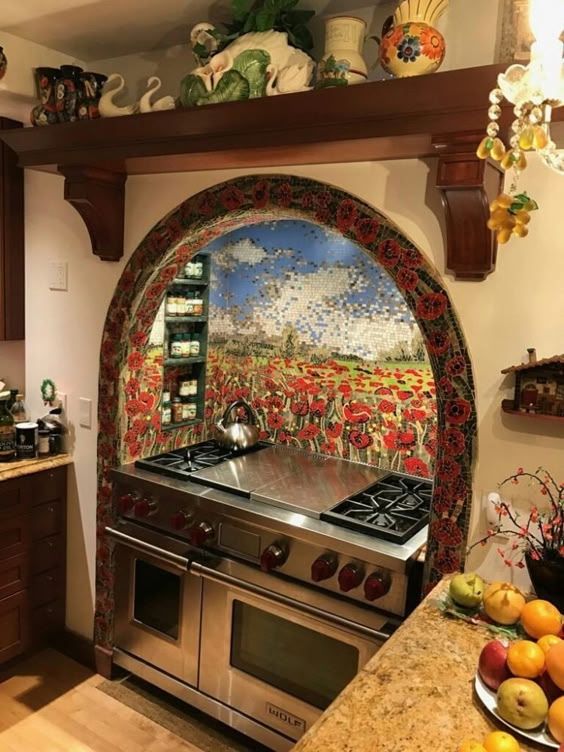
(297, 660)
(157, 598)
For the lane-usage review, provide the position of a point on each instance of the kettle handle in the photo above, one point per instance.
(240, 403)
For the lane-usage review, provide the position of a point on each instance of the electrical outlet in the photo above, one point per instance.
(85, 412)
(58, 275)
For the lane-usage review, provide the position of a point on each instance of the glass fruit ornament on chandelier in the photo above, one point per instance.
(534, 90)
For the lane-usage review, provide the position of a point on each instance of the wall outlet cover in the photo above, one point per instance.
(58, 275)
(85, 412)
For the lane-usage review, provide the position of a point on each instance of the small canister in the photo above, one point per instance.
(177, 410)
(43, 442)
(195, 345)
(184, 387)
(190, 305)
(193, 387)
(198, 268)
(175, 346)
(170, 306)
(185, 345)
(26, 440)
(181, 305)
(166, 396)
(55, 443)
(189, 270)
(190, 409)
(166, 414)
(197, 307)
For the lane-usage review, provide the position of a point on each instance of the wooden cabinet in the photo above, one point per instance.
(32, 560)
(12, 322)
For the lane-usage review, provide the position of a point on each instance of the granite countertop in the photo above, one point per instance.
(27, 467)
(415, 695)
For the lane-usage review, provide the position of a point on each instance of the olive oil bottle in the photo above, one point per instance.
(7, 434)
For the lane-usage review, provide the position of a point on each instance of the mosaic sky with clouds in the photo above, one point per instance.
(293, 272)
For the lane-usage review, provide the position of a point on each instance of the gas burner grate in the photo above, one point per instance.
(181, 463)
(394, 508)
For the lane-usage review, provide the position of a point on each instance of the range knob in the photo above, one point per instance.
(145, 507)
(273, 556)
(377, 585)
(181, 519)
(350, 577)
(324, 567)
(126, 503)
(201, 533)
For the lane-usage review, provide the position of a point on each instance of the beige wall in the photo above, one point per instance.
(520, 305)
(12, 364)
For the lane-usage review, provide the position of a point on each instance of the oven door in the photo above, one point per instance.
(275, 656)
(157, 601)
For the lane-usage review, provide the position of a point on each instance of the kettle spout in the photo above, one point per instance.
(220, 428)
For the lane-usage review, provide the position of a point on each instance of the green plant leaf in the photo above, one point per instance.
(252, 65)
(192, 89)
(300, 37)
(232, 88)
(265, 19)
(250, 23)
(297, 17)
(241, 8)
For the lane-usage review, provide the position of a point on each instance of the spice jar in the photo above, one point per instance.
(195, 345)
(43, 442)
(188, 387)
(190, 409)
(181, 305)
(166, 414)
(170, 306)
(189, 270)
(190, 305)
(186, 350)
(166, 396)
(198, 268)
(197, 307)
(176, 410)
(175, 346)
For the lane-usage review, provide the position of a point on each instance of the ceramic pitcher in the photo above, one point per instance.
(342, 62)
(45, 113)
(412, 46)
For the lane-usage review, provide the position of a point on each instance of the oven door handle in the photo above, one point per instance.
(166, 557)
(201, 570)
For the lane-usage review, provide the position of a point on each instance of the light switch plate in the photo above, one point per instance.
(58, 275)
(85, 412)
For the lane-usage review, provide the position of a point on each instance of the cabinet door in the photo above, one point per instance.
(14, 625)
(14, 497)
(12, 317)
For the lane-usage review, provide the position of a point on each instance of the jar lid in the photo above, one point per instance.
(26, 425)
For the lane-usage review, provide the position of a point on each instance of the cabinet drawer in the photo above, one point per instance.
(46, 520)
(47, 554)
(14, 575)
(14, 497)
(46, 587)
(14, 536)
(47, 620)
(14, 625)
(48, 485)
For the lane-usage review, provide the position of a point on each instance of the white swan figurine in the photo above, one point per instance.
(164, 103)
(106, 106)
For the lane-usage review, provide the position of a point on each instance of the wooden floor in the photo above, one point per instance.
(52, 705)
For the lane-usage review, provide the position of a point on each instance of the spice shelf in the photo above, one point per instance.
(184, 361)
(185, 319)
(191, 282)
(508, 407)
(182, 424)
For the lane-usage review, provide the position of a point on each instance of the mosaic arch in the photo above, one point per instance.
(127, 414)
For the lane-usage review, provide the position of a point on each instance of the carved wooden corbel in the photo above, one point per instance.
(99, 197)
(467, 185)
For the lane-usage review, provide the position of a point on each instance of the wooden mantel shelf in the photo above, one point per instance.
(440, 115)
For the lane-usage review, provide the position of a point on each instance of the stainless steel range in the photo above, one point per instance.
(256, 586)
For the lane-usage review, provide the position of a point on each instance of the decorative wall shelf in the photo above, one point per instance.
(427, 116)
(539, 388)
(508, 406)
(183, 361)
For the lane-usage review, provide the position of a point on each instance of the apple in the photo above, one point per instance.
(522, 703)
(492, 664)
(467, 589)
(551, 690)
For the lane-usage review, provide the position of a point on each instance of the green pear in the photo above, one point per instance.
(522, 703)
(467, 589)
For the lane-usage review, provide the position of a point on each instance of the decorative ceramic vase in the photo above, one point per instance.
(342, 63)
(89, 93)
(257, 64)
(3, 63)
(67, 93)
(547, 577)
(46, 112)
(413, 46)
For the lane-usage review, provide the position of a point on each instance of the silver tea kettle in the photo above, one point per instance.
(234, 435)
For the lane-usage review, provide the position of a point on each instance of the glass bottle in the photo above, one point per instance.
(18, 410)
(7, 434)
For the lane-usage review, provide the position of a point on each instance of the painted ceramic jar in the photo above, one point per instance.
(89, 93)
(413, 46)
(3, 63)
(45, 113)
(67, 92)
(342, 63)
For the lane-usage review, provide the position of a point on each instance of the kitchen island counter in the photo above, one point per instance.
(415, 695)
(18, 468)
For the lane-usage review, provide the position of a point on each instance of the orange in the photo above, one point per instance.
(555, 664)
(540, 618)
(556, 719)
(546, 642)
(525, 659)
(471, 745)
(501, 741)
(503, 602)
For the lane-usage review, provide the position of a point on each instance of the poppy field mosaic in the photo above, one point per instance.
(356, 352)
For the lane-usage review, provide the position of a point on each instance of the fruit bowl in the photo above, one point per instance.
(489, 701)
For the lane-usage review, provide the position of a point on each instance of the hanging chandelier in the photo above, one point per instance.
(534, 90)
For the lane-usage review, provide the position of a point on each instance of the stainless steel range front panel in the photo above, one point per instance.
(279, 661)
